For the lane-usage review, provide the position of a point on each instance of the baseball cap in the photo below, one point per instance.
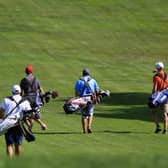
(16, 89)
(29, 69)
(85, 72)
(159, 65)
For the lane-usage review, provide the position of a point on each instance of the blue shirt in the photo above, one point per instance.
(86, 85)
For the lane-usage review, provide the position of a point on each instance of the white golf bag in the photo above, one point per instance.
(10, 121)
(17, 117)
(75, 104)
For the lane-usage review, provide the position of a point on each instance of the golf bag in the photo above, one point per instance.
(41, 99)
(158, 98)
(19, 117)
(9, 122)
(75, 104)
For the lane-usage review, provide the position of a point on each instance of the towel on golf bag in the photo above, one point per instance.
(158, 98)
(75, 104)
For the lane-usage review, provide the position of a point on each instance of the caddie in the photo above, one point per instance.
(13, 136)
(160, 82)
(30, 89)
(12, 111)
(86, 85)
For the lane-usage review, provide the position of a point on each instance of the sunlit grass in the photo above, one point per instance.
(119, 41)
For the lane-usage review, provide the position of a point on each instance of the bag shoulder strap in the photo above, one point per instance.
(164, 77)
(86, 84)
(17, 104)
(31, 83)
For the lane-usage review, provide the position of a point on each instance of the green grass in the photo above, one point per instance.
(119, 41)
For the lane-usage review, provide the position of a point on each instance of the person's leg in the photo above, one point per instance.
(89, 124)
(29, 123)
(9, 142)
(90, 118)
(164, 123)
(165, 117)
(32, 100)
(9, 150)
(18, 149)
(155, 119)
(84, 124)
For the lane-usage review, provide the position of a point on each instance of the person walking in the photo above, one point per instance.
(15, 104)
(160, 82)
(30, 89)
(13, 136)
(86, 85)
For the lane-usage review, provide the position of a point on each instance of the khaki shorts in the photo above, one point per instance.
(165, 107)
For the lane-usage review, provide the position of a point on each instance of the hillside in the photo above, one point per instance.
(119, 41)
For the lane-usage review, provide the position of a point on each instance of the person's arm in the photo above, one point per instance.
(43, 125)
(77, 88)
(41, 90)
(155, 85)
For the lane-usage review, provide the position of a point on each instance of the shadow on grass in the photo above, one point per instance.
(134, 113)
(57, 133)
(132, 98)
(129, 106)
(95, 132)
(66, 133)
(114, 132)
(120, 132)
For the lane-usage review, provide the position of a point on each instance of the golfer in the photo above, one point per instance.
(13, 136)
(160, 82)
(86, 85)
(30, 87)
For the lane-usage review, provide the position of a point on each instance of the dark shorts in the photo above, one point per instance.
(14, 136)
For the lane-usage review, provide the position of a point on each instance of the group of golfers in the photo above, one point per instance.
(30, 85)
(28, 88)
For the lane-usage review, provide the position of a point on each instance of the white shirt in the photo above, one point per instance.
(8, 105)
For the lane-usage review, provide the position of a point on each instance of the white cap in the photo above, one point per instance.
(159, 65)
(16, 89)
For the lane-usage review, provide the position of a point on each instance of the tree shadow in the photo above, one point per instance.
(128, 106)
(128, 98)
(134, 113)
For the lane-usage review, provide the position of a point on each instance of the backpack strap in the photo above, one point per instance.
(86, 84)
(31, 84)
(164, 77)
(17, 104)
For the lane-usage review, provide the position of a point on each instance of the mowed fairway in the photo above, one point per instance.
(119, 41)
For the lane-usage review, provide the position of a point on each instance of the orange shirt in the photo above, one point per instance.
(158, 83)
